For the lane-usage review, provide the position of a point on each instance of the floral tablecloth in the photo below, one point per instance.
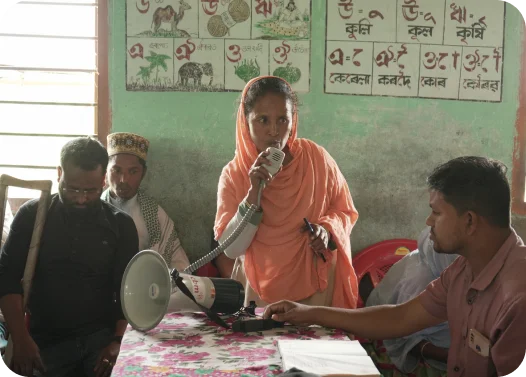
(191, 345)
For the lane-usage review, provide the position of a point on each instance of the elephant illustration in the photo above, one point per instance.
(195, 71)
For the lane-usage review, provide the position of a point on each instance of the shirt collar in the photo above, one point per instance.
(492, 269)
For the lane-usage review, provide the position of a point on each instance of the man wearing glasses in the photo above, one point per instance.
(76, 320)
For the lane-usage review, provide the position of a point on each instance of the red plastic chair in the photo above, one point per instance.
(208, 270)
(377, 259)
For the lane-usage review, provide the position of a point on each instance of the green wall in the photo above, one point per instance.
(384, 146)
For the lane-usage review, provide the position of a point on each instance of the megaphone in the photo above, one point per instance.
(149, 290)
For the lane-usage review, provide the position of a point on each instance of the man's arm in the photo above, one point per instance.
(26, 355)
(12, 264)
(12, 308)
(120, 327)
(508, 350)
(377, 322)
(128, 246)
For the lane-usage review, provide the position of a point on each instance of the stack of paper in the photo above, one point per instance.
(327, 357)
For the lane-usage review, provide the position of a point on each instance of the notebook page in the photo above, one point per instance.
(327, 365)
(333, 347)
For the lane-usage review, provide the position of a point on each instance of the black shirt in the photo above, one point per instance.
(77, 281)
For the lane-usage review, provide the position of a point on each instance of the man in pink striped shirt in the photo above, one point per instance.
(482, 294)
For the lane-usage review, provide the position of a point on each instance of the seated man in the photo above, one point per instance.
(482, 293)
(127, 168)
(76, 319)
(405, 280)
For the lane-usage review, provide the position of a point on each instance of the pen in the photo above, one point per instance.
(311, 230)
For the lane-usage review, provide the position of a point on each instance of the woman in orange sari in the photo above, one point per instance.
(275, 257)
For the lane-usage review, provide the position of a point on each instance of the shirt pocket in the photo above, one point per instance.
(477, 365)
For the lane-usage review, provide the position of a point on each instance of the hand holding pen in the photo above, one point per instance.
(318, 236)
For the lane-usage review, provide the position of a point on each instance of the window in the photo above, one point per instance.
(53, 83)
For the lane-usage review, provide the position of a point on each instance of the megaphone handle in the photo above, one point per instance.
(209, 313)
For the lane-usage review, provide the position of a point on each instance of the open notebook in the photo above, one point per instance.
(327, 357)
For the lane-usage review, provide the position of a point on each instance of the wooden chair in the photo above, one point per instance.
(43, 204)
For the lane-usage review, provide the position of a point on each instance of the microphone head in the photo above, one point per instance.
(276, 158)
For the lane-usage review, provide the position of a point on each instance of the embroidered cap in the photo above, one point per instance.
(125, 142)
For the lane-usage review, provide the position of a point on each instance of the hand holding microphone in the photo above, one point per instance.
(258, 172)
(263, 171)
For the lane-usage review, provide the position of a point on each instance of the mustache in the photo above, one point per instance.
(123, 186)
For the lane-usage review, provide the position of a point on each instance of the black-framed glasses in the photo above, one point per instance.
(76, 192)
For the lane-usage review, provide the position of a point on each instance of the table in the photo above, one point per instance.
(190, 344)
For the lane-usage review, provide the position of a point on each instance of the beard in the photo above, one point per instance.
(89, 209)
(436, 248)
(122, 192)
(439, 250)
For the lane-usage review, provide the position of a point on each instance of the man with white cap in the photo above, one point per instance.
(126, 170)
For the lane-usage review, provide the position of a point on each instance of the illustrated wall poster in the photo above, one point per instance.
(216, 45)
(447, 49)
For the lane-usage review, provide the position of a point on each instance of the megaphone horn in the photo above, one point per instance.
(149, 290)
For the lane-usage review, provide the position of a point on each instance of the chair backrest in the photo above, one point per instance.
(208, 270)
(375, 261)
(32, 256)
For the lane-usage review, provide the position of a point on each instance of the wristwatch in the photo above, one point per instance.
(116, 338)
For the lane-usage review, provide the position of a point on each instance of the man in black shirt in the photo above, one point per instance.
(76, 319)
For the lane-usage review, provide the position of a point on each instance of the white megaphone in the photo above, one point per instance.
(149, 291)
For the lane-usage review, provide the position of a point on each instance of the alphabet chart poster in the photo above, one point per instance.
(216, 45)
(446, 49)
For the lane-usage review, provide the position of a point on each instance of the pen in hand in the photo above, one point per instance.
(311, 230)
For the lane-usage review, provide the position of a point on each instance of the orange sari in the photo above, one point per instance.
(279, 262)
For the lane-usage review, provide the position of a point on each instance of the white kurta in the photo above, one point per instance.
(169, 245)
(131, 207)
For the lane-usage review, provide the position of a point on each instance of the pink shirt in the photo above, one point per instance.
(494, 304)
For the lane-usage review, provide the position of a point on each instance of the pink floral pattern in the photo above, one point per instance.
(190, 345)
